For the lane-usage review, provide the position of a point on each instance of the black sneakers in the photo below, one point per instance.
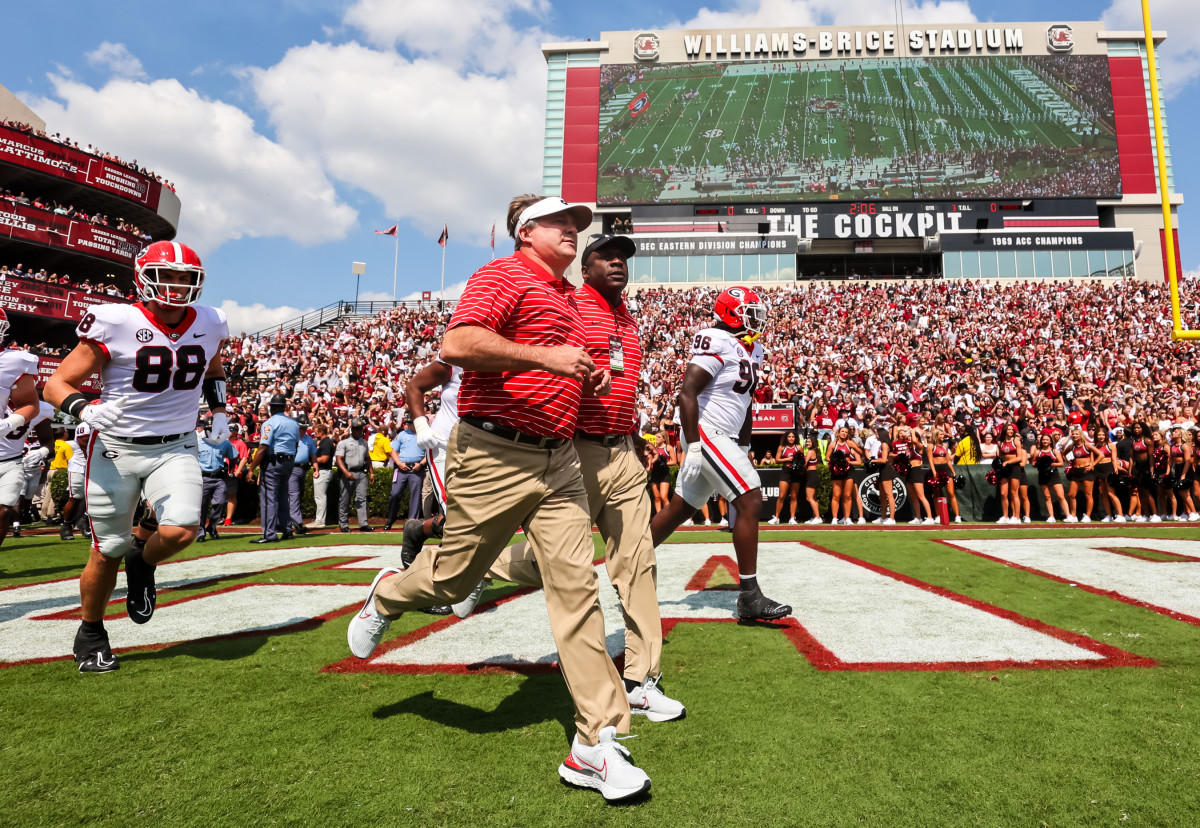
(754, 606)
(414, 539)
(93, 654)
(140, 597)
(65, 533)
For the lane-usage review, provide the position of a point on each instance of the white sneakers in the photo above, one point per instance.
(1002, 520)
(1086, 519)
(794, 522)
(605, 767)
(958, 518)
(862, 521)
(649, 701)
(1119, 519)
(1050, 519)
(1155, 519)
(1025, 519)
(889, 522)
(1193, 517)
(774, 521)
(467, 605)
(930, 521)
(687, 522)
(724, 522)
(813, 521)
(368, 626)
(915, 522)
(1070, 519)
(708, 523)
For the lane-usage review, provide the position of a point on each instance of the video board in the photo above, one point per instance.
(874, 128)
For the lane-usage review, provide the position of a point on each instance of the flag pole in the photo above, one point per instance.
(396, 262)
(442, 292)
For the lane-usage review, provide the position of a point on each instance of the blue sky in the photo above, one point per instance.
(295, 128)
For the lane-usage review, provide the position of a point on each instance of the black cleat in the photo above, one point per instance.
(65, 533)
(301, 529)
(16, 532)
(265, 540)
(93, 654)
(754, 606)
(200, 538)
(212, 531)
(437, 610)
(366, 528)
(86, 532)
(414, 539)
(141, 596)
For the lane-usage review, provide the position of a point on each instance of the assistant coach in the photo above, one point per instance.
(512, 464)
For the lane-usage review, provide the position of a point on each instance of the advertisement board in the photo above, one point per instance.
(50, 301)
(48, 157)
(996, 126)
(44, 227)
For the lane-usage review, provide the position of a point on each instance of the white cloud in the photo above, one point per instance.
(1179, 55)
(234, 182)
(257, 317)
(747, 13)
(431, 142)
(117, 59)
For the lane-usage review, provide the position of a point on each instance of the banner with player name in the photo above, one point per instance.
(49, 301)
(44, 227)
(47, 365)
(50, 158)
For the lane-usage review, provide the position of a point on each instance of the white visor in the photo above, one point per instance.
(549, 206)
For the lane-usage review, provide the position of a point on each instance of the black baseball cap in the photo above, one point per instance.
(624, 244)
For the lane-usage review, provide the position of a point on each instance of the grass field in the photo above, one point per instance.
(253, 729)
(806, 130)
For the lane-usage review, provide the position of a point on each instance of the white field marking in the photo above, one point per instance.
(1172, 586)
(245, 609)
(23, 637)
(861, 616)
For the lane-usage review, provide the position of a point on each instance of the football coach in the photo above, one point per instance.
(512, 464)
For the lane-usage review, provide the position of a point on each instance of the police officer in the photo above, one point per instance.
(409, 473)
(276, 452)
(306, 452)
(354, 465)
(213, 473)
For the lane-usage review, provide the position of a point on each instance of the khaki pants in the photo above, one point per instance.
(615, 480)
(496, 487)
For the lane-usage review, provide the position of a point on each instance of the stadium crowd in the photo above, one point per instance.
(61, 140)
(19, 271)
(955, 362)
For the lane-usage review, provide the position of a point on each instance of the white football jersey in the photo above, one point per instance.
(447, 416)
(725, 401)
(13, 444)
(13, 366)
(157, 369)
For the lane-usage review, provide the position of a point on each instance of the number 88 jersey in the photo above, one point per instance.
(725, 401)
(157, 368)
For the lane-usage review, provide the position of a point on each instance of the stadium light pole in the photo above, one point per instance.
(358, 269)
(1177, 330)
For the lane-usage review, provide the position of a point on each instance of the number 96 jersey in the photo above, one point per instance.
(157, 368)
(725, 401)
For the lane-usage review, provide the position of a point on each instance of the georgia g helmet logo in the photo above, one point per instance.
(169, 273)
(741, 309)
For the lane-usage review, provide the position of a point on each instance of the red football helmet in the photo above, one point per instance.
(161, 259)
(741, 309)
(3, 325)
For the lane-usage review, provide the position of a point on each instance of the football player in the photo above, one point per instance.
(156, 358)
(18, 395)
(715, 416)
(73, 510)
(35, 458)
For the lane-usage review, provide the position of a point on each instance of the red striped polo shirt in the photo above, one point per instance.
(615, 413)
(520, 300)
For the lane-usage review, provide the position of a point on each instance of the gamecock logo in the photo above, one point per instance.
(1060, 38)
(645, 46)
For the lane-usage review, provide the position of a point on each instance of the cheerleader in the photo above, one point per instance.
(1048, 460)
(1023, 484)
(812, 477)
(839, 457)
(1080, 460)
(659, 471)
(881, 463)
(790, 462)
(918, 474)
(1141, 500)
(1160, 472)
(938, 457)
(1180, 484)
(1189, 472)
(1107, 464)
(1009, 459)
